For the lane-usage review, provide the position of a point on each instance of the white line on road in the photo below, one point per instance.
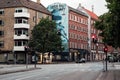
(98, 78)
(27, 77)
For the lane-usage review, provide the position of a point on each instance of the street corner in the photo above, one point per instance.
(107, 75)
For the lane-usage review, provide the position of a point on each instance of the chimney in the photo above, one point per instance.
(80, 7)
(38, 1)
(92, 8)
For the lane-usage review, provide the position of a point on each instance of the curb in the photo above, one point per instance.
(15, 71)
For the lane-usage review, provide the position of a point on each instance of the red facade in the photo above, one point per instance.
(78, 30)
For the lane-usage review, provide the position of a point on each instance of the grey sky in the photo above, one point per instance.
(99, 5)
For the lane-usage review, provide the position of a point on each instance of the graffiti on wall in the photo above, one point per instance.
(60, 16)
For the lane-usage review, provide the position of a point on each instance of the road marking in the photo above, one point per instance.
(27, 77)
(98, 78)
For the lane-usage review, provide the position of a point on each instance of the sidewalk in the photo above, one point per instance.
(113, 72)
(109, 75)
(5, 69)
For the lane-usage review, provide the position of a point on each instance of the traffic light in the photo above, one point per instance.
(94, 40)
(105, 49)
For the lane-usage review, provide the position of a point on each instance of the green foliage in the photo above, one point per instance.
(109, 24)
(44, 37)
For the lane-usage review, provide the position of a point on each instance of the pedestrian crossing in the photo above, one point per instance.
(89, 70)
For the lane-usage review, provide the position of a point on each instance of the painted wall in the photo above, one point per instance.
(60, 16)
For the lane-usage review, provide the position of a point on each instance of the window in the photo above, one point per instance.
(21, 43)
(1, 23)
(1, 43)
(20, 20)
(21, 32)
(1, 11)
(19, 10)
(1, 33)
(25, 32)
(18, 32)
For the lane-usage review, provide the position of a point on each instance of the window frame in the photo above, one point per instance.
(1, 44)
(1, 33)
(20, 10)
(2, 11)
(1, 23)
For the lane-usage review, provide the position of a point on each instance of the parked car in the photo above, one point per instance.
(112, 59)
(10, 61)
(82, 60)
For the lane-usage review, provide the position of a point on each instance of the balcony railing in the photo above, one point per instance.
(19, 48)
(22, 36)
(22, 25)
(23, 14)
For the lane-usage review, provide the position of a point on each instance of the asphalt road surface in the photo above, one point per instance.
(68, 71)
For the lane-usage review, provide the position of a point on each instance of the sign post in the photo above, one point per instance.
(106, 50)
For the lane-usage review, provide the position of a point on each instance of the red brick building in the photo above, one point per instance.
(97, 52)
(96, 49)
(78, 34)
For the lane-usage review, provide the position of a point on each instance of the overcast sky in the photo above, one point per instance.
(99, 5)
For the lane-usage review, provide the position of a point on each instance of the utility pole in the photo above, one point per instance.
(95, 41)
(26, 51)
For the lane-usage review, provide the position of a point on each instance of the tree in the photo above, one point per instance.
(106, 28)
(44, 37)
(108, 23)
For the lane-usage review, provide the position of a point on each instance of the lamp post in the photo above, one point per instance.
(26, 51)
(14, 55)
(35, 59)
(97, 50)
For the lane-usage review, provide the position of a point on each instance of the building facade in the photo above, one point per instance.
(73, 26)
(95, 48)
(17, 19)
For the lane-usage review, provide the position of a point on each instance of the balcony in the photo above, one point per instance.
(22, 25)
(23, 14)
(22, 36)
(19, 48)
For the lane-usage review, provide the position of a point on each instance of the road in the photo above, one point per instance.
(68, 71)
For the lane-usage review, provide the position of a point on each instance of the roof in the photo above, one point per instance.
(92, 14)
(77, 11)
(23, 3)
